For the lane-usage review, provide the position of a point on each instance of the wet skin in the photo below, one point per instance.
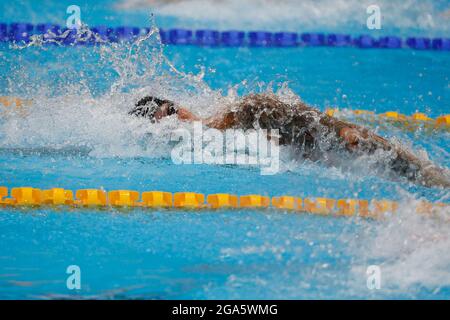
(305, 128)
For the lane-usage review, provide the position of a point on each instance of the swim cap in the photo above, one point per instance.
(149, 105)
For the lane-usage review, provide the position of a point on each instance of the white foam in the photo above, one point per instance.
(418, 16)
(410, 249)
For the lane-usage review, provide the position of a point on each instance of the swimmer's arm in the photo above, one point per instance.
(222, 121)
(185, 115)
(359, 138)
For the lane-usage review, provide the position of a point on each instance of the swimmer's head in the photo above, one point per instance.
(154, 108)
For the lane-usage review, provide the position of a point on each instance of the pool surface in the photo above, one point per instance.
(77, 135)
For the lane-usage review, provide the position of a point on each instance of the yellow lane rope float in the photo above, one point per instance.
(26, 197)
(442, 121)
(11, 102)
(393, 117)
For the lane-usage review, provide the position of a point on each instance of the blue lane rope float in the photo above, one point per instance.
(231, 38)
(29, 197)
(207, 37)
(179, 36)
(21, 32)
(313, 39)
(390, 42)
(339, 40)
(285, 39)
(260, 38)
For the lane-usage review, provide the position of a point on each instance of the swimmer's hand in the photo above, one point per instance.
(432, 176)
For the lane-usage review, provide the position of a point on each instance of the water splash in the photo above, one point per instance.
(412, 16)
(64, 86)
(410, 249)
(78, 115)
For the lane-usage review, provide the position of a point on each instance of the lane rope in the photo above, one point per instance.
(21, 32)
(394, 117)
(29, 197)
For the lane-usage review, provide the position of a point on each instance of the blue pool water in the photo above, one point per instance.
(77, 135)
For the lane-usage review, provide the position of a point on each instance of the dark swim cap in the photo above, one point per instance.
(147, 107)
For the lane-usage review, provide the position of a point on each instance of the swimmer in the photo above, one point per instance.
(305, 128)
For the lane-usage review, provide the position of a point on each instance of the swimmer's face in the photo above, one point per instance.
(165, 110)
(162, 112)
